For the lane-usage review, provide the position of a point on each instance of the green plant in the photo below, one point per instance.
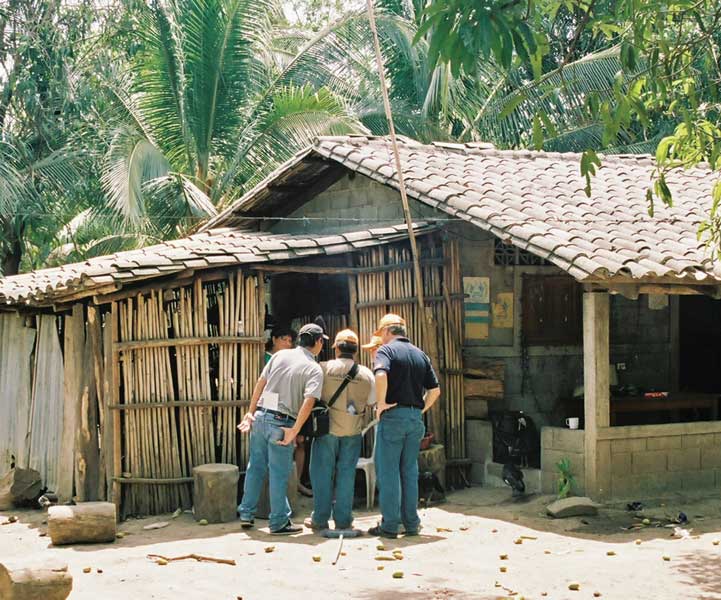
(566, 480)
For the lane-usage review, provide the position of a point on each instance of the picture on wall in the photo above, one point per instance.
(502, 311)
(477, 307)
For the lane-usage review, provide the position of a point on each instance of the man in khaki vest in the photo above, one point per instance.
(334, 456)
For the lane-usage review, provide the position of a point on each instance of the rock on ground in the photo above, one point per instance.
(572, 507)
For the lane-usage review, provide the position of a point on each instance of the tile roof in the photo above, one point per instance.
(536, 201)
(219, 247)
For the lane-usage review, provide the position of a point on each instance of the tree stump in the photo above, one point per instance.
(87, 522)
(48, 582)
(434, 460)
(20, 487)
(215, 492)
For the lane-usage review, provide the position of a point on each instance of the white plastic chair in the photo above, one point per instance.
(368, 466)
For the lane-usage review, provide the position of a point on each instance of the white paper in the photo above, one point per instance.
(269, 400)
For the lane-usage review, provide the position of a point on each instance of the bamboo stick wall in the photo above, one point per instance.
(443, 293)
(180, 401)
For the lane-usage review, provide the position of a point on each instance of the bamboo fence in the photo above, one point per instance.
(394, 291)
(188, 360)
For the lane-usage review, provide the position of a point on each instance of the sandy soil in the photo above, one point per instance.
(456, 557)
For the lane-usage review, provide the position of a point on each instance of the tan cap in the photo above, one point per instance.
(387, 321)
(347, 335)
(376, 342)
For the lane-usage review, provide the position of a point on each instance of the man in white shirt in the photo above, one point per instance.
(334, 456)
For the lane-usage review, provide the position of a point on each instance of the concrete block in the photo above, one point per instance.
(549, 482)
(569, 440)
(698, 480)
(702, 440)
(652, 484)
(663, 443)
(549, 459)
(652, 461)
(620, 446)
(478, 473)
(479, 440)
(621, 464)
(687, 459)
(624, 487)
(711, 457)
(547, 437)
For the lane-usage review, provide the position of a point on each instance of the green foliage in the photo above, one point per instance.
(566, 481)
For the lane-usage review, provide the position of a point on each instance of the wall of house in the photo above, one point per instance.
(558, 443)
(353, 202)
(537, 378)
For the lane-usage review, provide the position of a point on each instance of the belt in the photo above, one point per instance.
(276, 414)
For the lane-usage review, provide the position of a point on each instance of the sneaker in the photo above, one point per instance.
(314, 526)
(378, 532)
(246, 523)
(287, 529)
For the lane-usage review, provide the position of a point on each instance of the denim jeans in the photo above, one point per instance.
(267, 455)
(333, 461)
(398, 443)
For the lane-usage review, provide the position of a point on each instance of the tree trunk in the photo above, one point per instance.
(10, 259)
(88, 522)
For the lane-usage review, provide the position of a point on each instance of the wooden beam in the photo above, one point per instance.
(596, 389)
(187, 341)
(344, 270)
(409, 300)
(174, 403)
(352, 296)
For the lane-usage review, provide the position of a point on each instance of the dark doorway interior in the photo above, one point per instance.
(700, 344)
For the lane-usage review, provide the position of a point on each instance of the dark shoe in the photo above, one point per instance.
(413, 532)
(378, 532)
(287, 529)
(246, 523)
(314, 526)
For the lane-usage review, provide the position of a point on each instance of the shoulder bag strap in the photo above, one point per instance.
(346, 380)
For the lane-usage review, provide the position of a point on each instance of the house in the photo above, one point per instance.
(543, 300)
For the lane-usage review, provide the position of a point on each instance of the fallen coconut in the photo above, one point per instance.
(504, 569)
(637, 542)
(269, 549)
(666, 557)
(316, 558)
(161, 561)
(380, 568)
(203, 522)
(610, 553)
(503, 556)
(518, 541)
(715, 542)
(87, 570)
(398, 575)
(646, 521)
(596, 594)
(380, 547)
(574, 586)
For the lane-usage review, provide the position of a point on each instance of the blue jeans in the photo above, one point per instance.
(398, 443)
(333, 461)
(267, 455)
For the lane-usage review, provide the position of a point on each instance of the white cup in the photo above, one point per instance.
(572, 423)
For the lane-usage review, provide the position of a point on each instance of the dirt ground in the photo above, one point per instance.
(457, 555)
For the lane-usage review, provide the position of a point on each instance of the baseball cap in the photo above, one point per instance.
(389, 320)
(376, 342)
(346, 335)
(313, 330)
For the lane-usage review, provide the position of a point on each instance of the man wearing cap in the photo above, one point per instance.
(282, 400)
(334, 456)
(406, 387)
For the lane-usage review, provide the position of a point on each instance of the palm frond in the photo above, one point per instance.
(131, 161)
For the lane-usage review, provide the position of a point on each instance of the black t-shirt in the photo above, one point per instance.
(409, 372)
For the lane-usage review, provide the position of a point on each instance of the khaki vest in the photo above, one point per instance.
(360, 391)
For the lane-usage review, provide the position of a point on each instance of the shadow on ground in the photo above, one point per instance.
(701, 569)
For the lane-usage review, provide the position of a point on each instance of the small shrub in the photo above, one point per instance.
(565, 478)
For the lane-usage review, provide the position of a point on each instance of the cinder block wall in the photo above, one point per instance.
(558, 443)
(648, 466)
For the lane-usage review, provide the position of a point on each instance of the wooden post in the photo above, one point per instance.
(115, 391)
(74, 347)
(596, 389)
(20, 581)
(674, 342)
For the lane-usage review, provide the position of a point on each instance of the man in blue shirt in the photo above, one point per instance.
(406, 387)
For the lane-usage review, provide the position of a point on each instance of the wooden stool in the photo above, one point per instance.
(434, 460)
(215, 489)
(20, 581)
